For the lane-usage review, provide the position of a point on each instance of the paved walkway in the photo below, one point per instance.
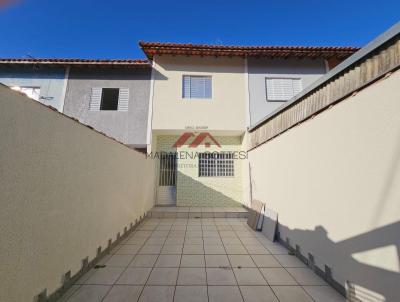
(198, 212)
(207, 259)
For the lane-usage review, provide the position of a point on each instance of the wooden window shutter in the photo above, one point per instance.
(95, 99)
(123, 99)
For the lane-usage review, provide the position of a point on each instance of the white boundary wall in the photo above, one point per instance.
(65, 191)
(334, 181)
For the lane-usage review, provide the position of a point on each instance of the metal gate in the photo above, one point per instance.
(166, 192)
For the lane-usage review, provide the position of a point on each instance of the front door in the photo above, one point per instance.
(166, 192)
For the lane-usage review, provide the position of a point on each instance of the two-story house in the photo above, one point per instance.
(112, 96)
(202, 100)
(189, 106)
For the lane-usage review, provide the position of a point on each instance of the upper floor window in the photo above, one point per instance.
(197, 87)
(282, 89)
(109, 99)
(31, 92)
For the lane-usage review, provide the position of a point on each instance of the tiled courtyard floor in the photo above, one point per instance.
(207, 259)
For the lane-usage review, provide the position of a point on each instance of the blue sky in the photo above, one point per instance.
(111, 29)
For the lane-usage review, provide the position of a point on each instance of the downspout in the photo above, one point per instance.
(149, 137)
(64, 91)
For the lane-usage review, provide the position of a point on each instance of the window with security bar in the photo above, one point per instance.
(216, 165)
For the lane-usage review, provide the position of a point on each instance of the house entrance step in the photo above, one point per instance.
(198, 212)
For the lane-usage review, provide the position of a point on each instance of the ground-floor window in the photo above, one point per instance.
(216, 164)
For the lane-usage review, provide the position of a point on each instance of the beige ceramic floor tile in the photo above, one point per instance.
(305, 276)
(258, 294)
(265, 261)
(291, 294)
(119, 260)
(128, 249)
(192, 261)
(224, 294)
(123, 293)
(289, 261)
(150, 249)
(220, 276)
(324, 294)
(192, 276)
(235, 249)
(157, 294)
(105, 276)
(241, 261)
(257, 249)
(193, 249)
(191, 294)
(134, 276)
(168, 261)
(277, 276)
(217, 261)
(214, 249)
(143, 261)
(249, 276)
(163, 276)
(89, 293)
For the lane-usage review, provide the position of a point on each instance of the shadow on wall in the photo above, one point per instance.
(372, 283)
(115, 73)
(191, 192)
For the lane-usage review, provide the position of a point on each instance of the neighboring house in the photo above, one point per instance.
(212, 93)
(43, 80)
(112, 97)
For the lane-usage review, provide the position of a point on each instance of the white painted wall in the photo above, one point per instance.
(334, 181)
(51, 80)
(65, 190)
(225, 111)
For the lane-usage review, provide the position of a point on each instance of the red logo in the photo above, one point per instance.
(204, 137)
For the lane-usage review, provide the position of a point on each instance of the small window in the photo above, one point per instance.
(109, 99)
(282, 89)
(216, 164)
(30, 92)
(196, 87)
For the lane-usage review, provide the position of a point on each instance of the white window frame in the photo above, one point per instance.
(282, 78)
(216, 164)
(196, 76)
(96, 99)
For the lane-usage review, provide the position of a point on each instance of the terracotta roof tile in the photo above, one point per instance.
(157, 48)
(61, 61)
